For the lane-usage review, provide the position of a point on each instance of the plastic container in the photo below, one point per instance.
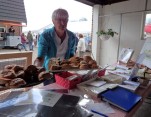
(67, 79)
(101, 72)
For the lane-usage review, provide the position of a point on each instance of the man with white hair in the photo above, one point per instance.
(56, 42)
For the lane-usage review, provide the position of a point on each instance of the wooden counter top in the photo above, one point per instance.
(10, 55)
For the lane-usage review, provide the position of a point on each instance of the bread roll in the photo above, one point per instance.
(74, 59)
(75, 65)
(65, 66)
(94, 66)
(3, 81)
(8, 74)
(81, 59)
(9, 66)
(87, 58)
(20, 74)
(55, 67)
(64, 62)
(83, 62)
(32, 69)
(31, 74)
(84, 66)
(17, 68)
(41, 69)
(44, 75)
(92, 62)
(15, 83)
(5, 71)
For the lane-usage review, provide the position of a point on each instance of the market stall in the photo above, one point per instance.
(82, 75)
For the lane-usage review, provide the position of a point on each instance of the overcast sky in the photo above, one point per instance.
(38, 12)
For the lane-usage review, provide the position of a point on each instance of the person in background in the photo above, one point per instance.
(23, 41)
(37, 39)
(56, 42)
(81, 46)
(11, 31)
(88, 43)
(34, 39)
(30, 40)
(38, 35)
(77, 40)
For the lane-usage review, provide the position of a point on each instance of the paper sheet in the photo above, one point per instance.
(147, 50)
(126, 55)
(104, 108)
(101, 107)
(96, 83)
(124, 73)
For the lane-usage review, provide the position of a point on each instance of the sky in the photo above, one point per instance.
(38, 12)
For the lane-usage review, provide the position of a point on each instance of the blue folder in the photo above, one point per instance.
(121, 98)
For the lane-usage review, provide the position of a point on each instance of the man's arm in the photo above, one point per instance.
(73, 46)
(42, 50)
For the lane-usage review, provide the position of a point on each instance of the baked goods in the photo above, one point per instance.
(41, 69)
(17, 68)
(9, 67)
(94, 66)
(92, 62)
(44, 75)
(15, 83)
(53, 62)
(5, 71)
(74, 59)
(20, 74)
(83, 62)
(13, 76)
(10, 74)
(31, 69)
(55, 67)
(72, 63)
(64, 62)
(31, 74)
(65, 66)
(84, 66)
(87, 58)
(3, 81)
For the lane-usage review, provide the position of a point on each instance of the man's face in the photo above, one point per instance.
(60, 24)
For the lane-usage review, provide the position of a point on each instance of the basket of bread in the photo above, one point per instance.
(15, 76)
(74, 63)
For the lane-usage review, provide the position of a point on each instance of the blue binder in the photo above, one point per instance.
(121, 98)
